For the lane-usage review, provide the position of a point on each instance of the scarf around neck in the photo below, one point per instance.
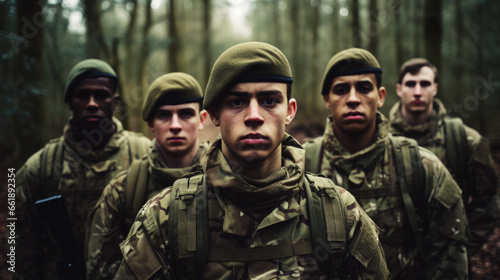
(259, 194)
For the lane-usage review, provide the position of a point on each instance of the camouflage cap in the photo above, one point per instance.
(352, 61)
(171, 89)
(246, 62)
(88, 68)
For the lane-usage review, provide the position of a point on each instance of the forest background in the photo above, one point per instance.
(40, 41)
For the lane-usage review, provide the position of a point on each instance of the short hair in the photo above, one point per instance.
(413, 66)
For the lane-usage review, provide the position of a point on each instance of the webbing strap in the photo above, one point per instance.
(314, 151)
(374, 193)
(136, 187)
(260, 253)
(404, 153)
(51, 166)
(457, 151)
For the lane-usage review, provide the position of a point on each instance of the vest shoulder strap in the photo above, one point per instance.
(136, 186)
(314, 152)
(457, 150)
(51, 161)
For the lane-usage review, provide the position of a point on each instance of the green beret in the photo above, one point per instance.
(171, 89)
(246, 62)
(88, 68)
(352, 61)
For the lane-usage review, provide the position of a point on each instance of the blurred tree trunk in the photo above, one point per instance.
(276, 24)
(28, 69)
(53, 51)
(295, 39)
(335, 28)
(417, 35)
(174, 45)
(355, 23)
(373, 28)
(314, 57)
(96, 43)
(398, 37)
(458, 70)
(207, 37)
(433, 26)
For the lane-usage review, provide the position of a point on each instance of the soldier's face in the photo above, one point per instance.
(417, 91)
(353, 102)
(93, 102)
(176, 127)
(252, 119)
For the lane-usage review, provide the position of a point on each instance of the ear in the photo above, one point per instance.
(325, 99)
(398, 90)
(381, 96)
(435, 89)
(291, 111)
(214, 116)
(116, 101)
(203, 118)
(151, 125)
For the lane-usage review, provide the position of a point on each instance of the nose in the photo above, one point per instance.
(253, 116)
(175, 126)
(353, 98)
(418, 90)
(92, 104)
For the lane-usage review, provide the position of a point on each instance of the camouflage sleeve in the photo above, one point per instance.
(482, 204)
(145, 251)
(446, 236)
(106, 229)
(365, 257)
(29, 228)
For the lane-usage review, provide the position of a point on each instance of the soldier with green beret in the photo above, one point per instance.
(94, 148)
(173, 110)
(466, 154)
(254, 214)
(405, 189)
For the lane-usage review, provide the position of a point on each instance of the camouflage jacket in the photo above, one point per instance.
(110, 220)
(79, 175)
(441, 218)
(481, 184)
(246, 213)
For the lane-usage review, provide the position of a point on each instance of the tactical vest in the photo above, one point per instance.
(410, 177)
(188, 229)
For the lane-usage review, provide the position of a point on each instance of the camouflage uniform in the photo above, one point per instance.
(481, 204)
(111, 218)
(445, 223)
(80, 178)
(246, 213)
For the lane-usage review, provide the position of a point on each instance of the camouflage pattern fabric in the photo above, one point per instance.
(482, 185)
(109, 221)
(279, 216)
(442, 216)
(83, 176)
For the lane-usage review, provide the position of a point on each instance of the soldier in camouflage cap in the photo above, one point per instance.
(421, 116)
(94, 148)
(172, 109)
(420, 213)
(256, 202)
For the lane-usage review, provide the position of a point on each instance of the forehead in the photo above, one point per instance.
(425, 73)
(258, 87)
(186, 106)
(370, 77)
(99, 82)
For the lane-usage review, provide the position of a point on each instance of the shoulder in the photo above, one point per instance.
(136, 136)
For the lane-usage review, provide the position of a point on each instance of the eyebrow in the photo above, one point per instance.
(245, 93)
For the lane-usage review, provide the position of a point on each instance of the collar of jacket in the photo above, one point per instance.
(83, 148)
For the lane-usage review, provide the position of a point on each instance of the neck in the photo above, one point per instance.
(415, 118)
(97, 138)
(253, 169)
(179, 161)
(355, 142)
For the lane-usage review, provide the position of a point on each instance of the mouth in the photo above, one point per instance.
(417, 103)
(254, 139)
(354, 116)
(176, 139)
(92, 119)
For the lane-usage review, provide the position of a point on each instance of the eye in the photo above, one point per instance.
(162, 115)
(186, 114)
(410, 84)
(269, 101)
(364, 88)
(236, 102)
(425, 83)
(340, 90)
